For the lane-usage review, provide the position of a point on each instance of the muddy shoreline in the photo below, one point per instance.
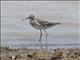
(36, 54)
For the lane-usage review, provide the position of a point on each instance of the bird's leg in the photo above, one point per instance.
(46, 39)
(40, 39)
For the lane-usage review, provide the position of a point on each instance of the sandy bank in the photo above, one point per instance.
(36, 54)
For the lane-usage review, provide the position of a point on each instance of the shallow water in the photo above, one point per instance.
(16, 33)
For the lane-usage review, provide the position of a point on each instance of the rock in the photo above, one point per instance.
(42, 55)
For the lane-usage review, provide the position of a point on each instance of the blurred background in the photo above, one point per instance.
(17, 33)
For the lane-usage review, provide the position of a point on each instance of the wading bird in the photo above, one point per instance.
(40, 24)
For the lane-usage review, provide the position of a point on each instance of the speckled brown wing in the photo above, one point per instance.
(46, 24)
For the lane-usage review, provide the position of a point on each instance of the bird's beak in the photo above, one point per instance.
(25, 19)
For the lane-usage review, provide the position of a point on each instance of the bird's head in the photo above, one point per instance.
(30, 17)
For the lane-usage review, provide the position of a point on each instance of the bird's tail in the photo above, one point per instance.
(55, 24)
